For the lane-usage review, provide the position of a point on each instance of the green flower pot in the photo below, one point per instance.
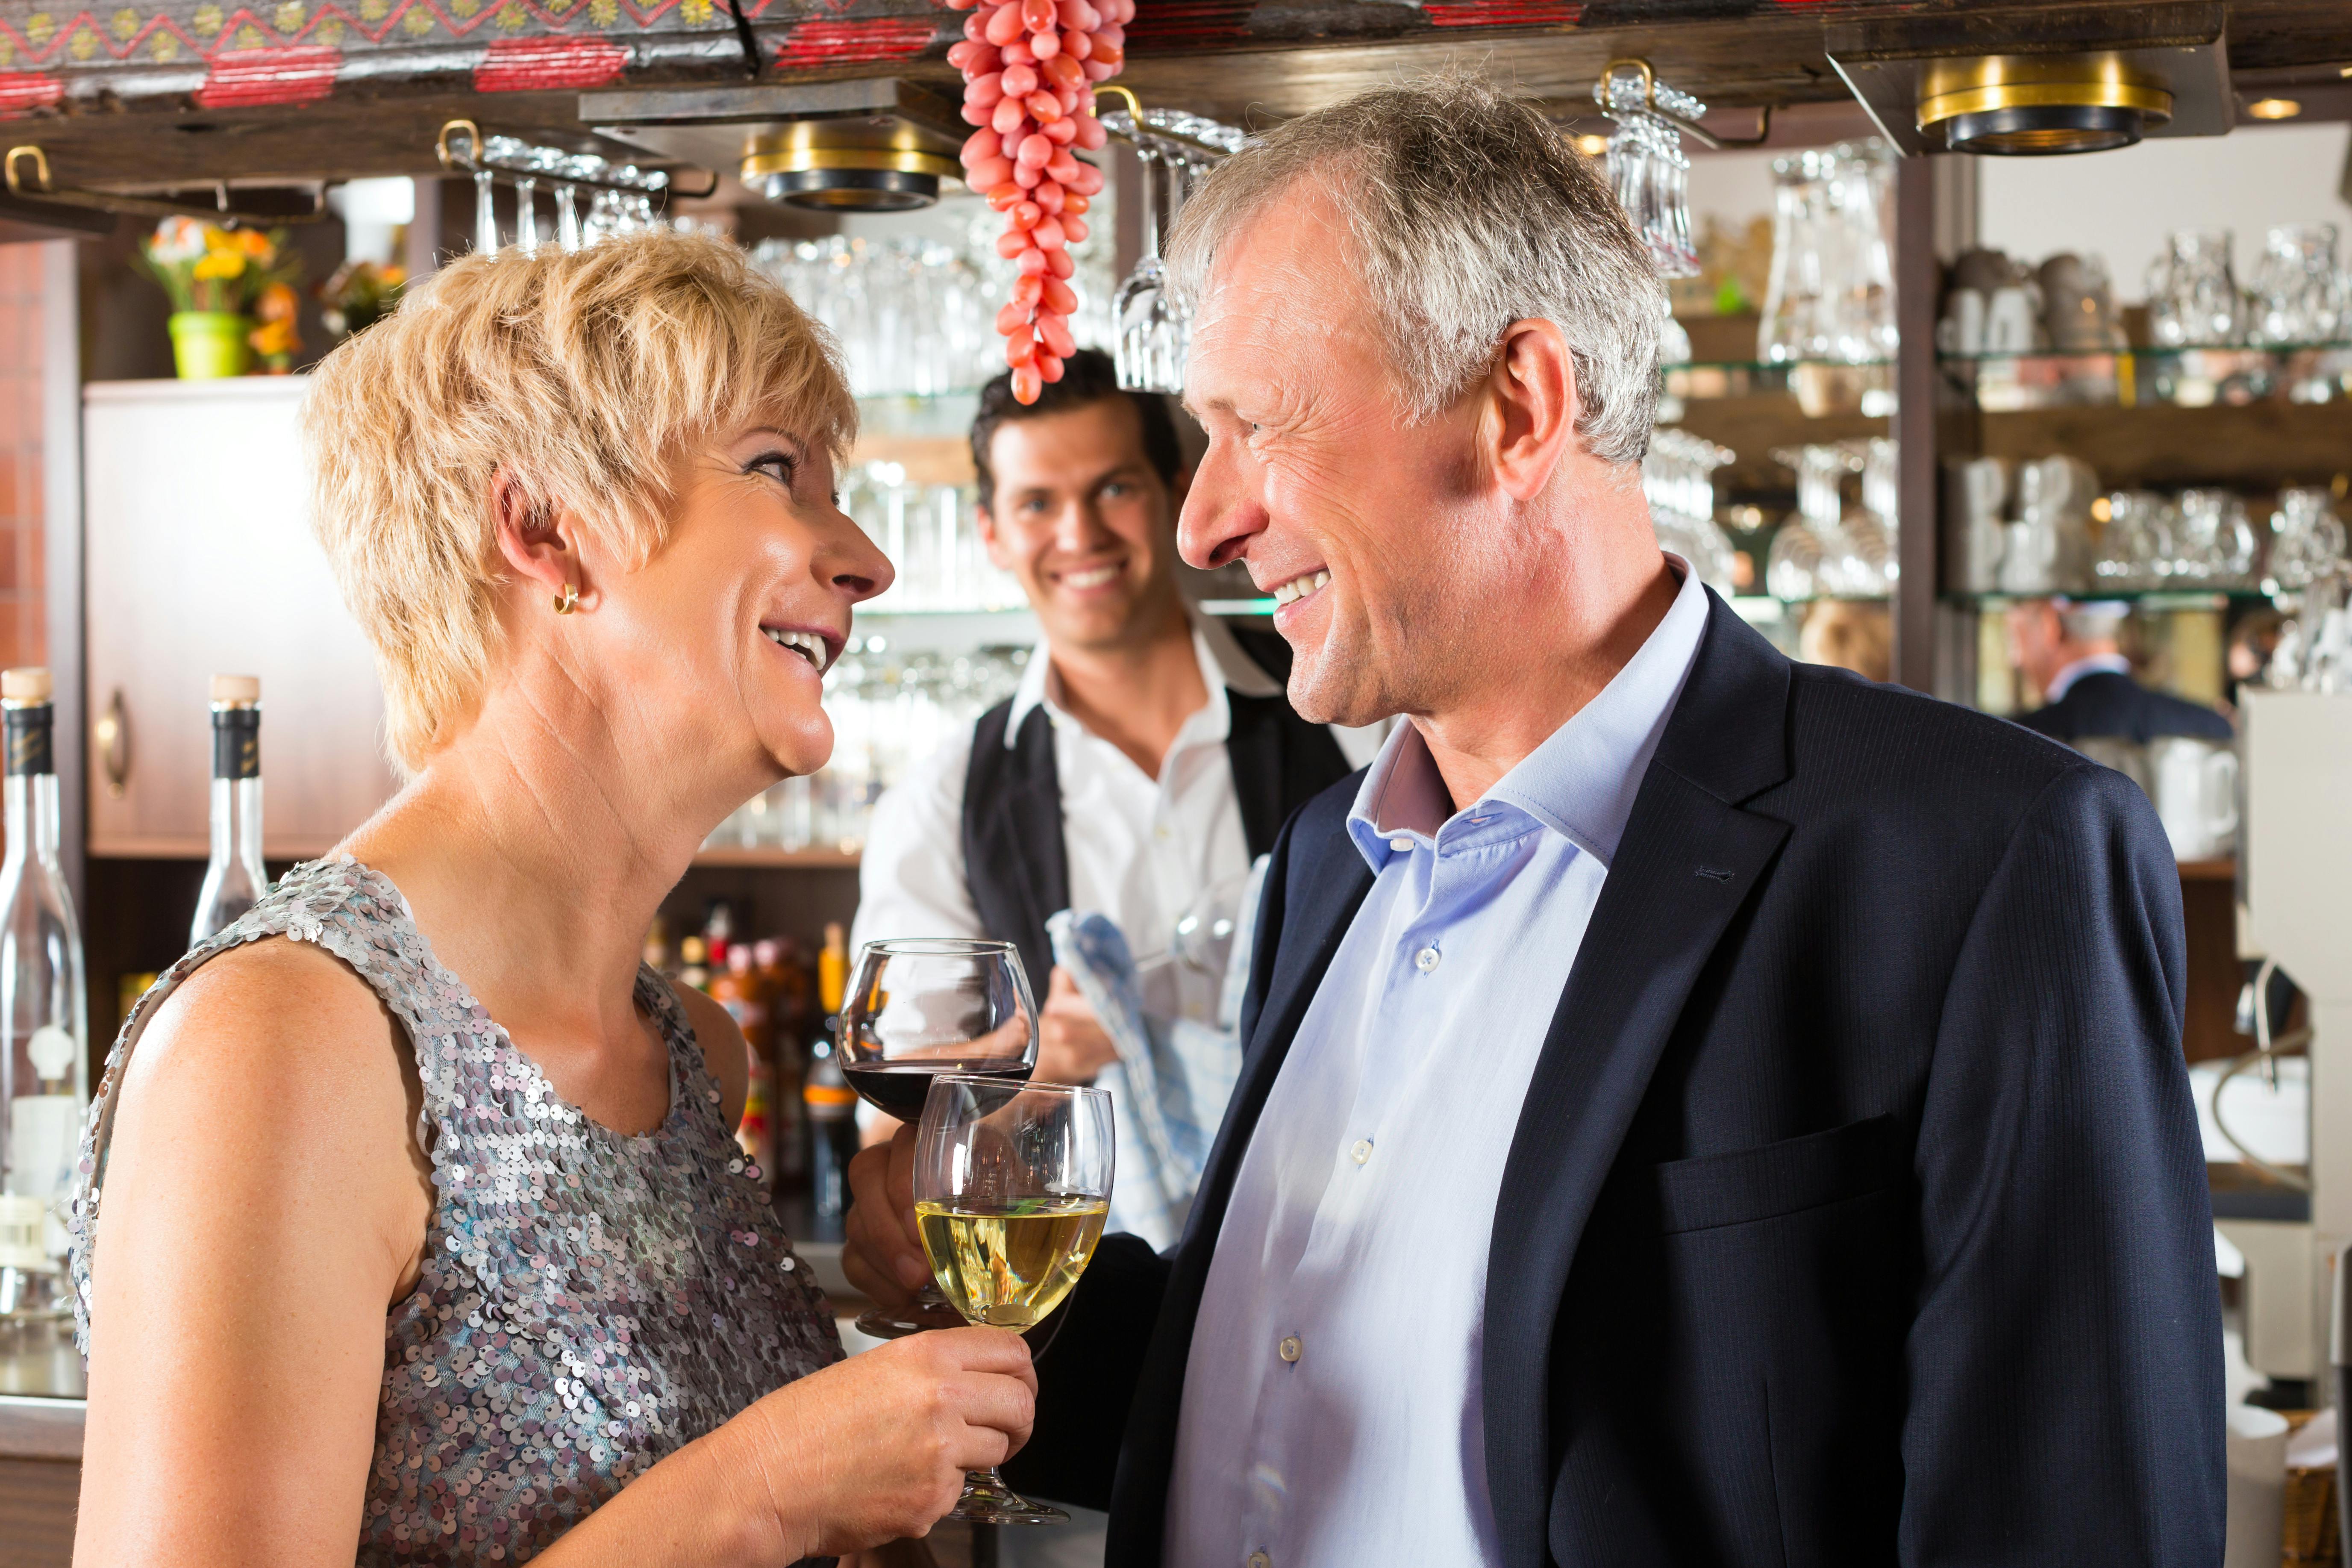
(209, 345)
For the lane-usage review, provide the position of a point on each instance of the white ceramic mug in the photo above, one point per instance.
(2196, 795)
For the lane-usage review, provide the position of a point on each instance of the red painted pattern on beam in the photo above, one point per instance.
(1179, 22)
(1502, 13)
(245, 78)
(21, 92)
(814, 45)
(538, 65)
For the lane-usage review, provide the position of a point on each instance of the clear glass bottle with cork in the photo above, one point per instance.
(234, 879)
(43, 1052)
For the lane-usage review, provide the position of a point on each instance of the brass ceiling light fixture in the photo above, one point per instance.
(873, 144)
(847, 165)
(2032, 80)
(2034, 105)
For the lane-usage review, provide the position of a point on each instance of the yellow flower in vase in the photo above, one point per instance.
(218, 265)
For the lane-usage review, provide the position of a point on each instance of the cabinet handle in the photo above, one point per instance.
(113, 733)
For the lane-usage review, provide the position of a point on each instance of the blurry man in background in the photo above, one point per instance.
(2072, 653)
(1149, 752)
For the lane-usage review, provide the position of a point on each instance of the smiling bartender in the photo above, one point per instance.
(1149, 753)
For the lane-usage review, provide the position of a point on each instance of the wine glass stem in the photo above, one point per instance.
(1150, 161)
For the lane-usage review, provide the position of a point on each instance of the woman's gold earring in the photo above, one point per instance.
(567, 601)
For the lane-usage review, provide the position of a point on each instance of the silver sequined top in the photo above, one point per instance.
(589, 1301)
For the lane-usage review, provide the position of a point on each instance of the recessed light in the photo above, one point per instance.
(2021, 105)
(2274, 109)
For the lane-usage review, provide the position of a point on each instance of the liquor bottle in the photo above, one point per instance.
(234, 879)
(738, 988)
(718, 932)
(44, 1059)
(830, 1103)
(756, 1133)
(784, 989)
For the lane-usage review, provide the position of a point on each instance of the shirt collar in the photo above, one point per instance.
(2097, 664)
(1224, 666)
(1580, 782)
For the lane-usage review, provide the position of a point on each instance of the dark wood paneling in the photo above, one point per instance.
(2209, 907)
(2264, 444)
(1918, 491)
(37, 1512)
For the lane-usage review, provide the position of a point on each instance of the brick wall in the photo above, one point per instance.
(24, 638)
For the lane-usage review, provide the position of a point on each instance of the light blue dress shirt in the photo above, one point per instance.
(1332, 1402)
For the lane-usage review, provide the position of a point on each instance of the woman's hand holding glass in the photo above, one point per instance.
(1000, 1195)
(874, 1448)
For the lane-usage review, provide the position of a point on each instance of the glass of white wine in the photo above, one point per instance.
(1012, 1187)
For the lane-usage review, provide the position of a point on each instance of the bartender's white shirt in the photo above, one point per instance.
(1140, 850)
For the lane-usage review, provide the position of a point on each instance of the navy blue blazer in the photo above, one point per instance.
(1856, 1212)
(2107, 703)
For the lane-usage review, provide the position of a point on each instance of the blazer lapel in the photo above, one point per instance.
(1689, 858)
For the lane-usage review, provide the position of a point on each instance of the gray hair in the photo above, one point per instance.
(1468, 211)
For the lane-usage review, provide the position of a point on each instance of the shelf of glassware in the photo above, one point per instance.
(1840, 386)
(2153, 599)
(2189, 375)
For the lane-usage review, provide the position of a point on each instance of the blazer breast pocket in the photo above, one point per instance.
(1784, 1178)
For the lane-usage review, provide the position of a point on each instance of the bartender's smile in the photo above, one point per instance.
(1092, 577)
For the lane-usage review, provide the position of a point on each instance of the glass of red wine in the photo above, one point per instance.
(917, 1008)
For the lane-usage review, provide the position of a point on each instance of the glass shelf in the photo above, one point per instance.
(2009, 355)
(2152, 598)
(1782, 366)
(2190, 376)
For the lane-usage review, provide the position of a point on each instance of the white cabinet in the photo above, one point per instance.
(199, 558)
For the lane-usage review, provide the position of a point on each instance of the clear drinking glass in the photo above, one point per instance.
(2298, 295)
(2215, 539)
(2192, 294)
(2307, 539)
(1012, 1187)
(921, 1008)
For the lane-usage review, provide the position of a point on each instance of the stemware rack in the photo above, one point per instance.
(42, 190)
(624, 193)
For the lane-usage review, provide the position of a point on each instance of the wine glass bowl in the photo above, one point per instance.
(1012, 1189)
(917, 1008)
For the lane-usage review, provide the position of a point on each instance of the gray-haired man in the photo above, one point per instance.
(1698, 1110)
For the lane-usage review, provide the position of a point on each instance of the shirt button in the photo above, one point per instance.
(1289, 1349)
(1400, 845)
(1361, 1151)
(1260, 1560)
(1425, 960)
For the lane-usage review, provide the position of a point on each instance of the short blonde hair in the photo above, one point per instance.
(584, 374)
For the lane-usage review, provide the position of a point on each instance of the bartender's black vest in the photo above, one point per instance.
(1015, 861)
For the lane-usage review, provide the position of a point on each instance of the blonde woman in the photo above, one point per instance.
(423, 1234)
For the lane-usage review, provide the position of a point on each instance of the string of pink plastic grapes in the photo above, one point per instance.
(1029, 69)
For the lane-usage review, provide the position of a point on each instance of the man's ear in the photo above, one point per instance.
(1536, 403)
(539, 540)
(990, 539)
